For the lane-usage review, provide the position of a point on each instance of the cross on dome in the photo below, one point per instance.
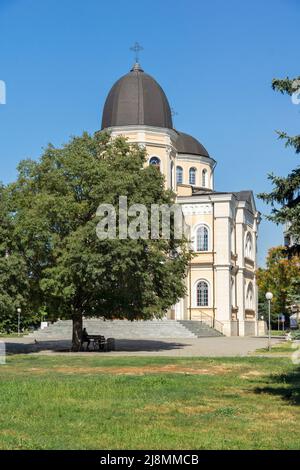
(136, 48)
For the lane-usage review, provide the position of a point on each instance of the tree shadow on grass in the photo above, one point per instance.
(286, 386)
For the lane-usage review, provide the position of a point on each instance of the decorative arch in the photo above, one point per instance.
(249, 246)
(250, 297)
(155, 161)
(192, 175)
(179, 175)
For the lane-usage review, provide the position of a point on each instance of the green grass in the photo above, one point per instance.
(12, 335)
(277, 333)
(286, 347)
(98, 402)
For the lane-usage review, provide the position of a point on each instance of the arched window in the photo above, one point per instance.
(192, 176)
(202, 239)
(204, 178)
(249, 297)
(248, 246)
(179, 175)
(202, 294)
(155, 161)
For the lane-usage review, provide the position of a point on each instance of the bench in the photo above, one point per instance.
(100, 343)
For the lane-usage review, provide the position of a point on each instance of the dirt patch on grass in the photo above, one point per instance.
(251, 374)
(129, 370)
(167, 408)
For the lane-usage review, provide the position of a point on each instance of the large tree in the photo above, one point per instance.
(278, 277)
(285, 196)
(73, 272)
(14, 281)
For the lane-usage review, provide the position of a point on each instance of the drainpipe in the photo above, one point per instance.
(190, 289)
(235, 281)
(213, 253)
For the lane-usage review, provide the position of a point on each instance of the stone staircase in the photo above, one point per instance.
(124, 329)
(199, 328)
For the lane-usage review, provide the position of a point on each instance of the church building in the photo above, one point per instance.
(220, 283)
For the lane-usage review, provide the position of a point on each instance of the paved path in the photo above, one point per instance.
(205, 347)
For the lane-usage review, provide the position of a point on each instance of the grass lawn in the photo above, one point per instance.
(277, 333)
(98, 402)
(286, 347)
(12, 335)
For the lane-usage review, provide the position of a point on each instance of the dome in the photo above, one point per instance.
(136, 99)
(189, 145)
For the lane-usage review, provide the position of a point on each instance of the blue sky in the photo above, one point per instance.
(214, 59)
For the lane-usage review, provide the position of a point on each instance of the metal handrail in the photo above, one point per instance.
(212, 322)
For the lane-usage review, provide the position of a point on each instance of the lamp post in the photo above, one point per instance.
(269, 297)
(19, 311)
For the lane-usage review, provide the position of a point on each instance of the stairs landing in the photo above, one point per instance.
(124, 329)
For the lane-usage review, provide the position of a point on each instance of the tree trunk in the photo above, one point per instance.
(77, 331)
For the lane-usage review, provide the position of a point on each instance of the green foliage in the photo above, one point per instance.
(14, 282)
(293, 294)
(286, 85)
(284, 198)
(279, 275)
(72, 272)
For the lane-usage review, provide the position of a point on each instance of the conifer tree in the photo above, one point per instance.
(285, 195)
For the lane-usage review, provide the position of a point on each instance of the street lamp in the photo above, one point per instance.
(269, 297)
(19, 311)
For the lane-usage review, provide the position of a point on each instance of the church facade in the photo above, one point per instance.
(223, 226)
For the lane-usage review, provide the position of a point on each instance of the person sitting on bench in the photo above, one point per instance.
(85, 339)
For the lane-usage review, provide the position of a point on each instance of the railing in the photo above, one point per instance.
(212, 322)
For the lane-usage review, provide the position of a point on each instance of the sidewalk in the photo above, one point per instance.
(202, 347)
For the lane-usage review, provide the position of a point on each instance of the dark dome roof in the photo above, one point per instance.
(188, 144)
(137, 99)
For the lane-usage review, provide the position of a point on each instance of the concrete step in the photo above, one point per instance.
(200, 329)
(121, 329)
(124, 329)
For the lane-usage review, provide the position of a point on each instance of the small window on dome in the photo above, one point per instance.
(204, 178)
(155, 161)
(179, 175)
(192, 176)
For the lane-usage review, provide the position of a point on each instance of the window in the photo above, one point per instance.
(155, 161)
(249, 297)
(202, 294)
(179, 175)
(204, 178)
(192, 176)
(202, 239)
(248, 246)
